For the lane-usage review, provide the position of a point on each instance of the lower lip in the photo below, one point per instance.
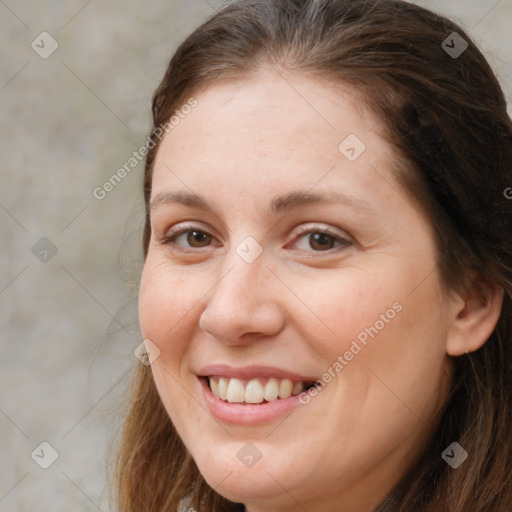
(247, 414)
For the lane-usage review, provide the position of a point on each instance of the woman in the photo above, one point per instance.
(326, 294)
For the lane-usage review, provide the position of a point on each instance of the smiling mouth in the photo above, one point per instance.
(255, 391)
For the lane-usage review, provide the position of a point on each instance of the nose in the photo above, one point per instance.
(242, 306)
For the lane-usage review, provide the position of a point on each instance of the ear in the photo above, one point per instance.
(475, 316)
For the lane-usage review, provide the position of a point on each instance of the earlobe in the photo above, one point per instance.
(475, 319)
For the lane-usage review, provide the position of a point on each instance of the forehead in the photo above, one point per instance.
(271, 131)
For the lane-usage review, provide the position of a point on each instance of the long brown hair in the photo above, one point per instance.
(446, 117)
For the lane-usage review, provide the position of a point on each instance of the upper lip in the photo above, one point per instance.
(252, 372)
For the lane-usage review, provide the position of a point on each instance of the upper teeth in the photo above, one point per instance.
(254, 391)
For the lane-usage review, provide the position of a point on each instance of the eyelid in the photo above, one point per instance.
(344, 239)
(315, 227)
(180, 229)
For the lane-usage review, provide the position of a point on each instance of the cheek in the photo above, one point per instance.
(166, 302)
(390, 336)
(338, 311)
(166, 299)
(402, 360)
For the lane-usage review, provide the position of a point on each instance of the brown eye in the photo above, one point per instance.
(198, 237)
(194, 238)
(321, 241)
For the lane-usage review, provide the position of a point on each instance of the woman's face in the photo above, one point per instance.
(262, 290)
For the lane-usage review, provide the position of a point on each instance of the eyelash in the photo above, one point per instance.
(174, 233)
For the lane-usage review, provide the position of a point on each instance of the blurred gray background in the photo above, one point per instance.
(69, 263)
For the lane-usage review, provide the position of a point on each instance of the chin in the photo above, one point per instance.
(228, 476)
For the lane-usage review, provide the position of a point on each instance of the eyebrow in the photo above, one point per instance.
(278, 205)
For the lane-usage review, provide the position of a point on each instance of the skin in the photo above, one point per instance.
(299, 305)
